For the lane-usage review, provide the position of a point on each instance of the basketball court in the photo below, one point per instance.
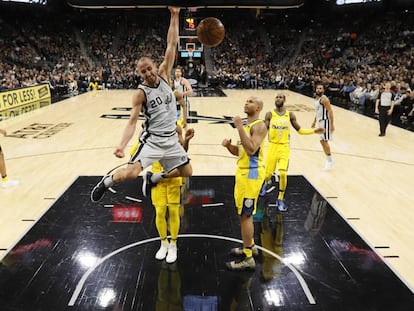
(344, 243)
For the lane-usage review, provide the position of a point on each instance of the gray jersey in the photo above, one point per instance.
(159, 139)
(159, 110)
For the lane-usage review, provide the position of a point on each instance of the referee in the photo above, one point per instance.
(384, 106)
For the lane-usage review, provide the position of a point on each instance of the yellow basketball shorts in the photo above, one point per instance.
(277, 155)
(167, 191)
(247, 189)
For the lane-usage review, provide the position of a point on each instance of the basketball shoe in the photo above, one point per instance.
(147, 184)
(172, 253)
(281, 205)
(9, 183)
(162, 252)
(328, 165)
(99, 190)
(247, 263)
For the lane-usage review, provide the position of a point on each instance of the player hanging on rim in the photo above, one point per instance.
(158, 139)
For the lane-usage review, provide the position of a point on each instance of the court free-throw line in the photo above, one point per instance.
(83, 279)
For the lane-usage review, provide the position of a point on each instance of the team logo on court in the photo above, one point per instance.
(193, 117)
(39, 130)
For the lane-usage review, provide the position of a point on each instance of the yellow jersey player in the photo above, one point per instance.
(278, 122)
(249, 177)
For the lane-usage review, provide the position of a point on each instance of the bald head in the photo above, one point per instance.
(258, 101)
(148, 71)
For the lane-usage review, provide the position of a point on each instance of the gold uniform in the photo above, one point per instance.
(167, 191)
(249, 177)
(166, 194)
(278, 150)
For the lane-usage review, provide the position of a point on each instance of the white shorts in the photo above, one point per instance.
(167, 150)
(326, 124)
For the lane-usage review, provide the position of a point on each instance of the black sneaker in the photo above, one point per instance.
(147, 184)
(246, 263)
(99, 190)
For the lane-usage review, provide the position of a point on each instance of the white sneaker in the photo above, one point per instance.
(328, 165)
(172, 253)
(162, 252)
(10, 183)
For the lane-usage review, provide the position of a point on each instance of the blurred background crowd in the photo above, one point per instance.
(353, 51)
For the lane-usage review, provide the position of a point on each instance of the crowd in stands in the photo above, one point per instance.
(77, 52)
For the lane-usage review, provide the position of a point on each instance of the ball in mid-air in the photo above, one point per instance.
(210, 31)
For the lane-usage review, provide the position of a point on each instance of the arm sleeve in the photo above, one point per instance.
(306, 131)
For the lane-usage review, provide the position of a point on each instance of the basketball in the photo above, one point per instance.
(210, 31)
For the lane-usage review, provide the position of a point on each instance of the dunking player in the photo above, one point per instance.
(324, 118)
(183, 86)
(278, 122)
(249, 177)
(158, 139)
(166, 194)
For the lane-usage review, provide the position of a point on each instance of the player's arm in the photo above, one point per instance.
(327, 104)
(185, 141)
(137, 101)
(188, 87)
(172, 41)
(3, 132)
(189, 134)
(301, 130)
(267, 119)
(257, 133)
(233, 149)
(389, 112)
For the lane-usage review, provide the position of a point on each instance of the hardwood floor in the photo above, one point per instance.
(370, 185)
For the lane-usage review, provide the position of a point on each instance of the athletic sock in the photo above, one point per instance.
(108, 182)
(156, 177)
(248, 251)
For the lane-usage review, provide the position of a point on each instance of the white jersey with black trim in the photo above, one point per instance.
(159, 110)
(181, 89)
(321, 112)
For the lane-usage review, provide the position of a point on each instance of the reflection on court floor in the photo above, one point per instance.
(101, 256)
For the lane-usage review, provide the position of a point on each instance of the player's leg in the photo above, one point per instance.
(283, 165)
(271, 160)
(5, 181)
(173, 197)
(246, 194)
(324, 140)
(159, 200)
(327, 150)
(131, 171)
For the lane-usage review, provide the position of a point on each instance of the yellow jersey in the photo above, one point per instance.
(254, 161)
(279, 128)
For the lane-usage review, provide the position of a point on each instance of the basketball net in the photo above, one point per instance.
(190, 52)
